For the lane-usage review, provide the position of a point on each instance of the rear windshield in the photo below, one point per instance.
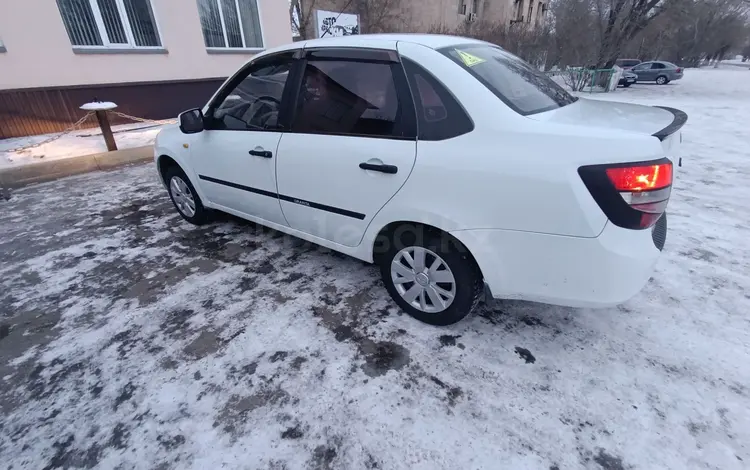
(522, 87)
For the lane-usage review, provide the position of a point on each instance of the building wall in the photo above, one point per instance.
(39, 53)
(427, 15)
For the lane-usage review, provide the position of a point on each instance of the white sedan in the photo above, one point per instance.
(456, 167)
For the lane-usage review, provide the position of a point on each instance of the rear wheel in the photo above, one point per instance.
(432, 277)
(662, 80)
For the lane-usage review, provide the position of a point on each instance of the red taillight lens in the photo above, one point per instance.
(645, 188)
(679, 70)
(632, 196)
(641, 178)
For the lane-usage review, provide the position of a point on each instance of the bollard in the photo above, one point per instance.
(101, 108)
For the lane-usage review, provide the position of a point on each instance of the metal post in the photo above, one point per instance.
(109, 139)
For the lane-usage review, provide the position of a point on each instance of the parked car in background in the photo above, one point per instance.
(627, 64)
(456, 167)
(657, 71)
(627, 78)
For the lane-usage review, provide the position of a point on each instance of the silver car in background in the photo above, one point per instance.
(657, 71)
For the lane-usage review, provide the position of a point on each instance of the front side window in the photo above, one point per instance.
(254, 102)
(350, 98)
(230, 24)
(642, 67)
(110, 23)
(523, 88)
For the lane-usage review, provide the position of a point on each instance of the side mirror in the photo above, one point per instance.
(191, 122)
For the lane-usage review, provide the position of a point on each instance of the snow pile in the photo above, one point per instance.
(77, 143)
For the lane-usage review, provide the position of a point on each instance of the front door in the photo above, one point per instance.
(645, 71)
(352, 144)
(235, 157)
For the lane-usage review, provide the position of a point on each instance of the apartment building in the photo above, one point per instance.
(452, 13)
(427, 14)
(153, 58)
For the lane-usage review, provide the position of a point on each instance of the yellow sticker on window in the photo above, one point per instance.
(469, 60)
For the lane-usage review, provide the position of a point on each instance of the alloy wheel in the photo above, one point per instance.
(423, 279)
(182, 196)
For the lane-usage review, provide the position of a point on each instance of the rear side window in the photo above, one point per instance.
(658, 65)
(439, 116)
(347, 97)
(523, 88)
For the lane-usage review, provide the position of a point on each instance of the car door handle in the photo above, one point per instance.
(261, 153)
(390, 169)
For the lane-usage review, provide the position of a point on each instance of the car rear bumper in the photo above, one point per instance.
(577, 272)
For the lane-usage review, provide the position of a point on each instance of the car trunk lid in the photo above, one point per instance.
(612, 115)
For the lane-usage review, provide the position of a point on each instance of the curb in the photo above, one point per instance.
(24, 175)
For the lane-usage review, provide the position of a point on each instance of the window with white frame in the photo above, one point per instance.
(230, 24)
(110, 23)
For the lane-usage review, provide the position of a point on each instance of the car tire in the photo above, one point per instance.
(662, 80)
(448, 284)
(184, 196)
(626, 85)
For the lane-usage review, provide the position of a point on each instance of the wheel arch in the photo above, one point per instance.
(383, 239)
(163, 163)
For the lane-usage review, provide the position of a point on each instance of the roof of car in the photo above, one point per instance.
(387, 41)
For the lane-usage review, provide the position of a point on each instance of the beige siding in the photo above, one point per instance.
(39, 53)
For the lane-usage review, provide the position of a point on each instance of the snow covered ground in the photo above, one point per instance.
(130, 339)
(83, 142)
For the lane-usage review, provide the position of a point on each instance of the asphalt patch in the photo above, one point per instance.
(525, 355)
(608, 462)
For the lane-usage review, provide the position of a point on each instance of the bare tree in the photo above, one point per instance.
(571, 24)
(380, 16)
(621, 20)
(301, 18)
(696, 31)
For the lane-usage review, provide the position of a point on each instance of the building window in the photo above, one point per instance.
(117, 24)
(230, 24)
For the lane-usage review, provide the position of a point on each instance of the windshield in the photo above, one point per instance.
(522, 87)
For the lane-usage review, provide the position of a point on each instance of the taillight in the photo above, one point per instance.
(641, 178)
(631, 195)
(679, 70)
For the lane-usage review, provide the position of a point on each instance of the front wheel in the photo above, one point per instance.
(625, 85)
(184, 197)
(433, 279)
(662, 80)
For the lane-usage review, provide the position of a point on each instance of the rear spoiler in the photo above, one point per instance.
(680, 118)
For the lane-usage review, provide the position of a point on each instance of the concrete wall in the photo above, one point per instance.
(39, 52)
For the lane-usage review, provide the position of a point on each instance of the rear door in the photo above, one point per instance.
(352, 143)
(659, 69)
